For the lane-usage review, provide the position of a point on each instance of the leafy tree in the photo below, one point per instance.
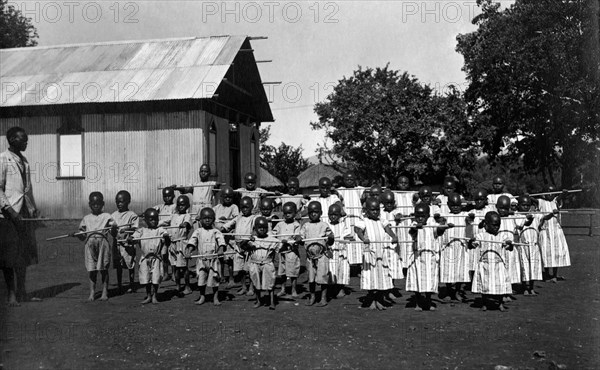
(384, 124)
(15, 30)
(282, 162)
(532, 93)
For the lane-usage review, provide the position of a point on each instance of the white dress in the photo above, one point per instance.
(555, 251)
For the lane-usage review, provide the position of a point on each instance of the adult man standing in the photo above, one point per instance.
(17, 237)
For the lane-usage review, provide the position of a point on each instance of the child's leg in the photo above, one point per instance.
(272, 298)
(250, 288)
(323, 301)
(104, 277)
(294, 281)
(257, 295)
(177, 276)
(154, 293)
(216, 301)
(201, 299)
(229, 265)
(186, 278)
(148, 294)
(119, 275)
(311, 289)
(9, 278)
(484, 300)
(242, 277)
(501, 306)
(93, 275)
(419, 301)
(428, 303)
(131, 280)
(283, 281)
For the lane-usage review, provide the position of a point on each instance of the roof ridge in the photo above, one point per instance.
(116, 42)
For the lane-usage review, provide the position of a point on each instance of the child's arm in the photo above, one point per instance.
(222, 245)
(389, 231)
(192, 244)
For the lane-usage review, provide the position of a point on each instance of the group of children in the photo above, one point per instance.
(494, 245)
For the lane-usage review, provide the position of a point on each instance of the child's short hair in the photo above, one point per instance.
(96, 194)
(126, 194)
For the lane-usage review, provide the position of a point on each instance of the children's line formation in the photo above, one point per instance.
(496, 245)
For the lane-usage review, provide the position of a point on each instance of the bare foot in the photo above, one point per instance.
(418, 308)
(379, 306)
(432, 308)
(526, 292)
(323, 303)
(256, 304)
(373, 306)
(501, 307)
(216, 301)
(561, 278)
(200, 300)
(281, 293)
(483, 308)
(533, 292)
(91, 298)
(272, 307)
(187, 291)
(311, 301)
(294, 294)
(392, 297)
(147, 300)
(341, 294)
(250, 293)
(230, 284)
(242, 291)
(553, 280)
(104, 297)
(154, 300)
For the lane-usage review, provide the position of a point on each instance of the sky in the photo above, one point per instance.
(312, 44)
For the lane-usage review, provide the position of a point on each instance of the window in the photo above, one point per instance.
(212, 148)
(253, 153)
(70, 149)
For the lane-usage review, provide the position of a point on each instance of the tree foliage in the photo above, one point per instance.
(384, 124)
(15, 29)
(531, 92)
(282, 162)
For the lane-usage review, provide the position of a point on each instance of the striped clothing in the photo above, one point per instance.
(508, 230)
(203, 196)
(229, 213)
(491, 272)
(339, 267)
(375, 268)
(297, 199)
(555, 251)
(352, 208)
(530, 256)
(454, 257)
(474, 230)
(423, 269)
(393, 251)
(493, 199)
(255, 195)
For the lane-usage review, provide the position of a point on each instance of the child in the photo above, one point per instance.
(124, 255)
(225, 212)
(168, 207)
(176, 251)
(374, 191)
(404, 198)
(555, 251)
(441, 200)
(243, 225)
(423, 271)
(293, 185)
(508, 229)
(326, 198)
(531, 257)
(498, 191)
(289, 260)
(375, 276)
(454, 256)
(491, 275)
(97, 246)
(165, 211)
(251, 191)
(339, 267)
(202, 191)
(150, 271)
(393, 252)
(405, 202)
(317, 262)
(266, 210)
(207, 240)
(475, 224)
(262, 249)
(353, 209)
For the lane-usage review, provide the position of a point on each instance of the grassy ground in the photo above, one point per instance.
(65, 331)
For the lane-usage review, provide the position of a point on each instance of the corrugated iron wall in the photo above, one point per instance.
(139, 160)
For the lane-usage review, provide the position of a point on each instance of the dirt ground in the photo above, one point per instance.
(559, 327)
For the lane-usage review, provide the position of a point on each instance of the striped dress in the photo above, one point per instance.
(454, 255)
(530, 256)
(493, 199)
(176, 249)
(375, 268)
(423, 270)
(555, 251)
(474, 230)
(353, 210)
(491, 272)
(339, 267)
(508, 230)
(392, 251)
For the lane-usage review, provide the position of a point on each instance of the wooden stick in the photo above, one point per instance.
(492, 241)
(46, 219)
(85, 232)
(234, 234)
(191, 186)
(212, 255)
(376, 241)
(138, 239)
(285, 196)
(555, 192)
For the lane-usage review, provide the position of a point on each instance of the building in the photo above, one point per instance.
(132, 115)
(309, 179)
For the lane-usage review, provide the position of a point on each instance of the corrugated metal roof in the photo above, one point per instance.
(127, 71)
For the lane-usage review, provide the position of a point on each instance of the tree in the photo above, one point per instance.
(282, 162)
(384, 124)
(15, 30)
(532, 93)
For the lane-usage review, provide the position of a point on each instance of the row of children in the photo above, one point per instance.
(432, 249)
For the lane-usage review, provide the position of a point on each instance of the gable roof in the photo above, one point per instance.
(128, 71)
(268, 180)
(310, 177)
